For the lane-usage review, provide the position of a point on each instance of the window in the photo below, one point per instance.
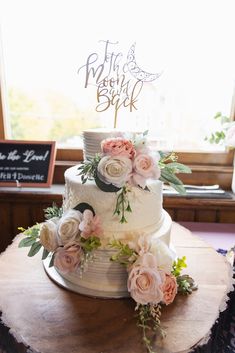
(188, 42)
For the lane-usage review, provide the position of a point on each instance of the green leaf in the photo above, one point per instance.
(45, 254)
(51, 264)
(217, 115)
(26, 242)
(179, 188)
(34, 248)
(169, 177)
(90, 243)
(178, 167)
(178, 266)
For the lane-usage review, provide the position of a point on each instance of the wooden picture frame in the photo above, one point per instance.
(27, 163)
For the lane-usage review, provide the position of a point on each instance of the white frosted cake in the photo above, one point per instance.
(102, 277)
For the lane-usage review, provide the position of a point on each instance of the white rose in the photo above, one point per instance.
(68, 226)
(48, 235)
(114, 170)
(163, 254)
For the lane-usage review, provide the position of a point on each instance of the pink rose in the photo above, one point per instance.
(169, 289)
(145, 280)
(144, 167)
(230, 137)
(118, 147)
(90, 225)
(68, 258)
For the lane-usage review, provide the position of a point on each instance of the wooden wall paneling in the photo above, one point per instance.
(172, 213)
(20, 216)
(37, 212)
(205, 215)
(5, 226)
(227, 216)
(185, 215)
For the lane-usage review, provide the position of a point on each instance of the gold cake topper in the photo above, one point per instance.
(119, 80)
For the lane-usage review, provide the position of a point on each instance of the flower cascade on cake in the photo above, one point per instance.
(126, 163)
(154, 279)
(69, 237)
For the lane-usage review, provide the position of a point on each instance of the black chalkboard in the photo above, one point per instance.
(26, 163)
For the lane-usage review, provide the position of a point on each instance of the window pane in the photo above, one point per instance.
(189, 42)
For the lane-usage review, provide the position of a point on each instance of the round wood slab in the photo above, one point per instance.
(42, 317)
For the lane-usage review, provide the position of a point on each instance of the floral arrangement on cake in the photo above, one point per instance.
(69, 237)
(124, 163)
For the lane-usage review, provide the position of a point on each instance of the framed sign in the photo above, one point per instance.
(26, 163)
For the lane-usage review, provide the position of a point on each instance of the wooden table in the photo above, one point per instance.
(42, 317)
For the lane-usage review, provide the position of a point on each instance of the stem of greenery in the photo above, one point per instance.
(122, 205)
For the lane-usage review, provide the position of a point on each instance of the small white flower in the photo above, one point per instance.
(163, 254)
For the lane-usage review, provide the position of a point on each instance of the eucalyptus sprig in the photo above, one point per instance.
(53, 211)
(169, 167)
(149, 320)
(125, 255)
(122, 204)
(88, 168)
(31, 240)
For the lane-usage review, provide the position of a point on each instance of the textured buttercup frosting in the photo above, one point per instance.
(146, 216)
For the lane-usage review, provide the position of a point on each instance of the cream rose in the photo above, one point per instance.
(145, 280)
(114, 170)
(68, 258)
(169, 289)
(163, 255)
(68, 226)
(48, 235)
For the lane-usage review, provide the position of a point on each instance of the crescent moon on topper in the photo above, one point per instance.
(136, 71)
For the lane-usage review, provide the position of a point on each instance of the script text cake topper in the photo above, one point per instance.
(119, 80)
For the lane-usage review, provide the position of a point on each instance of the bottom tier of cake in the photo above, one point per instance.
(102, 277)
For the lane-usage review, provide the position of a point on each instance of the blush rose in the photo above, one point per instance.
(145, 280)
(169, 289)
(90, 225)
(68, 258)
(118, 147)
(144, 167)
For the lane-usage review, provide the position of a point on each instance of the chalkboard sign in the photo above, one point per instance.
(26, 163)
